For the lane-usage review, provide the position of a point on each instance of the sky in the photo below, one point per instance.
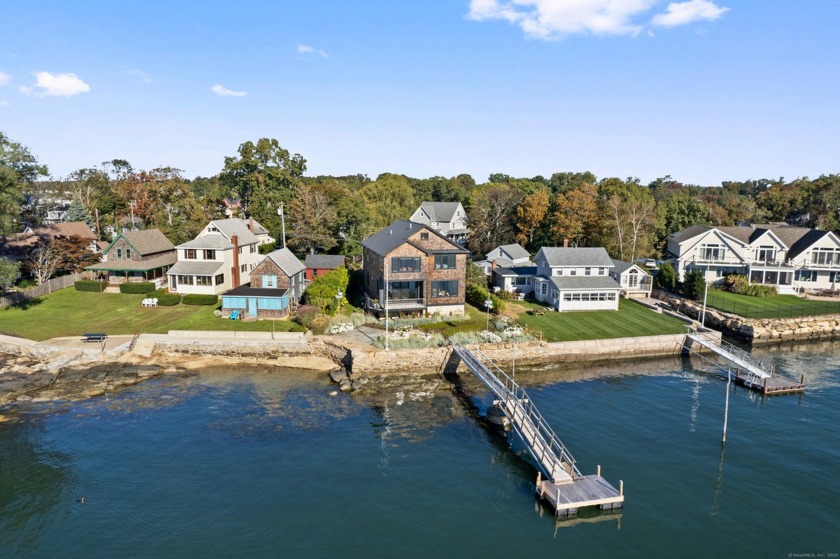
(702, 90)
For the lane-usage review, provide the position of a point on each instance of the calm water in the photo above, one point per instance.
(256, 464)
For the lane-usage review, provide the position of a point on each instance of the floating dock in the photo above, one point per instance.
(564, 487)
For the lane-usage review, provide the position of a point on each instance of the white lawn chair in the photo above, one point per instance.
(144, 302)
(154, 302)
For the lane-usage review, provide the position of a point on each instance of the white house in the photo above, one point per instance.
(220, 258)
(447, 218)
(633, 279)
(793, 259)
(511, 269)
(575, 279)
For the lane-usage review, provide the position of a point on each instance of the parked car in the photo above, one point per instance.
(650, 263)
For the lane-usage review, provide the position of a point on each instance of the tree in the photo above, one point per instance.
(43, 261)
(681, 210)
(9, 273)
(389, 198)
(19, 170)
(564, 182)
(264, 175)
(694, 285)
(575, 215)
(313, 219)
(490, 217)
(323, 289)
(73, 254)
(629, 219)
(77, 212)
(666, 278)
(475, 275)
(531, 213)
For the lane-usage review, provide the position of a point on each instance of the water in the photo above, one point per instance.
(257, 464)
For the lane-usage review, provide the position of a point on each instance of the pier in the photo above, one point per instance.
(749, 371)
(559, 481)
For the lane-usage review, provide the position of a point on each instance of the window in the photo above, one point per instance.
(712, 252)
(806, 275)
(596, 296)
(243, 268)
(186, 280)
(444, 261)
(203, 280)
(253, 249)
(766, 254)
(402, 264)
(587, 271)
(573, 272)
(447, 288)
(543, 288)
(633, 278)
(209, 254)
(825, 257)
(239, 250)
(220, 279)
(128, 254)
(558, 272)
(269, 282)
(119, 254)
(424, 236)
(602, 271)
(189, 254)
(522, 280)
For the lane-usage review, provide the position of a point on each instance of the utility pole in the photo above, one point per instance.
(726, 406)
(282, 223)
(705, 296)
(385, 270)
(131, 205)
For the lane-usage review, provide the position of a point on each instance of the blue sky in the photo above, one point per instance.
(702, 90)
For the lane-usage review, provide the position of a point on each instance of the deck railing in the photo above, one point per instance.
(551, 452)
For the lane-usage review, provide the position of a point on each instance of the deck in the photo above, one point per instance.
(587, 491)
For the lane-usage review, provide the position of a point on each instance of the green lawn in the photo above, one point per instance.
(775, 306)
(631, 319)
(68, 312)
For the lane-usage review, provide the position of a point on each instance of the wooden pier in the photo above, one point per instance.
(749, 371)
(564, 487)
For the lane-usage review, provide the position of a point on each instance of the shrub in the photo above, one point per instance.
(666, 278)
(93, 286)
(694, 285)
(165, 299)
(476, 295)
(740, 285)
(305, 315)
(267, 248)
(196, 299)
(142, 287)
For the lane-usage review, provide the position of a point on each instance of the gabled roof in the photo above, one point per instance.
(515, 271)
(584, 282)
(515, 251)
(147, 241)
(160, 261)
(23, 241)
(806, 241)
(215, 241)
(690, 232)
(198, 268)
(441, 211)
(620, 266)
(324, 261)
(239, 227)
(287, 261)
(562, 256)
(389, 238)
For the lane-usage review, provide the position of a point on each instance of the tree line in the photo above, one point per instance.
(335, 214)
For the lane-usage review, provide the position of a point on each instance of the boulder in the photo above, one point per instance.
(344, 385)
(338, 376)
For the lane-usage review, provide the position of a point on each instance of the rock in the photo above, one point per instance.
(334, 393)
(338, 376)
(362, 380)
(344, 385)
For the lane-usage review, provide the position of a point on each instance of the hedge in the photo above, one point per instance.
(194, 299)
(142, 287)
(93, 286)
(165, 299)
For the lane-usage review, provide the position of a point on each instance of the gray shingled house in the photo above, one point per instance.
(136, 256)
(447, 218)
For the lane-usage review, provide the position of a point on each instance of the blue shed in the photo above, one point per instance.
(255, 302)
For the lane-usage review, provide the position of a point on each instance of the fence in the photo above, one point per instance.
(47, 287)
(760, 309)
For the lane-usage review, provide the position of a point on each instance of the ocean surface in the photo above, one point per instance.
(258, 463)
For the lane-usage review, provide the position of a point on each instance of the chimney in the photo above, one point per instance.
(234, 272)
(493, 265)
(565, 243)
(251, 225)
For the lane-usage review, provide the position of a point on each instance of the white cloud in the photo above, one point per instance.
(306, 49)
(221, 90)
(140, 74)
(682, 13)
(553, 19)
(58, 85)
(5, 78)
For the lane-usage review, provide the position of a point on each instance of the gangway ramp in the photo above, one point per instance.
(564, 487)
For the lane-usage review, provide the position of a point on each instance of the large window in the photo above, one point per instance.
(447, 288)
(220, 279)
(209, 254)
(405, 290)
(185, 280)
(589, 296)
(825, 257)
(766, 254)
(189, 254)
(204, 280)
(403, 264)
(444, 261)
(633, 278)
(520, 280)
(712, 252)
(806, 275)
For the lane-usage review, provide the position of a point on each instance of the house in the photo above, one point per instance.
(256, 302)
(512, 270)
(280, 269)
(634, 280)
(447, 218)
(793, 259)
(221, 257)
(17, 247)
(277, 283)
(575, 279)
(135, 256)
(320, 264)
(414, 268)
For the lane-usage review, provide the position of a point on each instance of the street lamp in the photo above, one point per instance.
(488, 304)
(338, 297)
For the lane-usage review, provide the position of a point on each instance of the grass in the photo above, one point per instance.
(774, 306)
(631, 319)
(68, 312)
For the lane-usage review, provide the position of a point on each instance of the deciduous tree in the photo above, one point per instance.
(312, 219)
(19, 169)
(531, 213)
(491, 216)
(575, 215)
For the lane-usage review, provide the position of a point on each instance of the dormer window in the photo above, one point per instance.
(424, 236)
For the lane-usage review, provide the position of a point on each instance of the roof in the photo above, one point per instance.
(65, 229)
(796, 239)
(287, 261)
(690, 232)
(517, 271)
(515, 251)
(135, 265)
(147, 241)
(324, 261)
(215, 241)
(562, 256)
(239, 227)
(584, 282)
(389, 238)
(203, 268)
(620, 266)
(440, 211)
(246, 291)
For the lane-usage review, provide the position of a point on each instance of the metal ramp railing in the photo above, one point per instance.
(552, 456)
(756, 368)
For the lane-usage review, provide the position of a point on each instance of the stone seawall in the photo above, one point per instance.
(823, 327)
(431, 360)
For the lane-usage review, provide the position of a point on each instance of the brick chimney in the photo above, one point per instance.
(234, 271)
(565, 243)
(251, 225)
(493, 265)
